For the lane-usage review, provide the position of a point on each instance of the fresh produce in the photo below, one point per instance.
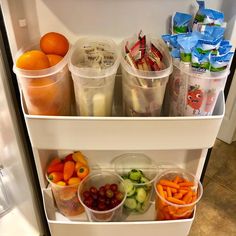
(54, 59)
(138, 189)
(103, 198)
(68, 170)
(174, 195)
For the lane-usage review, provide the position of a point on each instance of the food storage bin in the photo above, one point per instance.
(191, 93)
(143, 91)
(46, 91)
(93, 63)
(102, 195)
(177, 193)
(138, 172)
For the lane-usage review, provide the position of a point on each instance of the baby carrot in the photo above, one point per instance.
(176, 179)
(176, 201)
(178, 195)
(185, 188)
(160, 190)
(169, 184)
(183, 191)
(169, 194)
(187, 196)
(165, 194)
(186, 184)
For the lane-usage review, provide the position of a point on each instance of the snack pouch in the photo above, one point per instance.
(187, 43)
(212, 32)
(200, 62)
(207, 44)
(199, 15)
(220, 63)
(166, 38)
(181, 23)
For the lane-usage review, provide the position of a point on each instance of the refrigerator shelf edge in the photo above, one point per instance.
(125, 133)
(60, 225)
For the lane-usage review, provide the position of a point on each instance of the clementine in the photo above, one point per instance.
(33, 60)
(54, 59)
(54, 43)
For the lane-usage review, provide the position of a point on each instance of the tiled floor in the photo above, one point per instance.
(216, 212)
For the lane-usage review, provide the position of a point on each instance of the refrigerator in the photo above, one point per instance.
(28, 142)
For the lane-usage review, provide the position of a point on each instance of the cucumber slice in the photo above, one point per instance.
(129, 187)
(145, 181)
(139, 207)
(141, 195)
(130, 203)
(135, 174)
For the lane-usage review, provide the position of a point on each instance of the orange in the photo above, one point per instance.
(33, 60)
(54, 43)
(54, 59)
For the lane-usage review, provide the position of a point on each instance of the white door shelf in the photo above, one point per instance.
(122, 133)
(145, 225)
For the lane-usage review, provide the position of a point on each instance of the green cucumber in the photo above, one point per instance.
(130, 203)
(140, 195)
(135, 174)
(129, 187)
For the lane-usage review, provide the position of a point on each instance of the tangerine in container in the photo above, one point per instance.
(43, 76)
(177, 193)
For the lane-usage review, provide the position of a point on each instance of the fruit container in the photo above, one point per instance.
(177, 193)
(102, 195)
(46, 91)
(138, 172)
(66, 199)
(143, 91)
(191, 93)
(93, 63)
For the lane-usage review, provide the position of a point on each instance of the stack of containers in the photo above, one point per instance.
(201, 59)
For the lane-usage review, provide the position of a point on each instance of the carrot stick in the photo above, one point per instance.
(176, 201)
(165, 194)
(187, 196)
(160, 190)
(178, 195)
(185, 188)
(186, 184)
(176, 179)
(169, 194)
(173, 190)
(169, 184)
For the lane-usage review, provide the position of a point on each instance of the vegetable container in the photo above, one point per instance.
(104, 203)
(138, 172)
(177, 193)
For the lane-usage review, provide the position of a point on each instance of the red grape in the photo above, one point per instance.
(86, 194)
(109, 193)
(114, 187)
(119, 196)
(107, 186)
(88, 201)
(93, 190)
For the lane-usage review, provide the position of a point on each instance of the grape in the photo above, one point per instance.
(119, 196)
(114, 187)
(86, 194)
(94, 196)
(101, 199)
(114, 202)
(88, 202)
(93, 190)
(109, 193)
(107, 186)
(101, 206)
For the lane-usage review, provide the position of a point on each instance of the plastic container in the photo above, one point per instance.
(142, 189)
(94, 85)
(143, 91)
(166, 210)
(192, 93)
(66, 199)
(46, 91)
(97, 180)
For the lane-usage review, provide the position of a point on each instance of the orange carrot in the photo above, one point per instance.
(185, 188)
(165, 194)
(160, 190)
(69, 168)
(169, 184)
(169, 194)
(176, 179)
(55, 176)
(187, 196)
(176, 201)
(178, 195)
(186, 184)
(183, 191)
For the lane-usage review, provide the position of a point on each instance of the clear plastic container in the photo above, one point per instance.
(166, 209)
(94, 85)
(46, 91)
(66, 199)
(140, 194)
(194, 94)
(143, 91)
(98, 180)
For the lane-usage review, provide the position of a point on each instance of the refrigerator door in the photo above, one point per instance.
(19, 214)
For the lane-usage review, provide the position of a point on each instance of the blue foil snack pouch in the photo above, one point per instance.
(181, 23)
(220, 63)
(200, 62)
